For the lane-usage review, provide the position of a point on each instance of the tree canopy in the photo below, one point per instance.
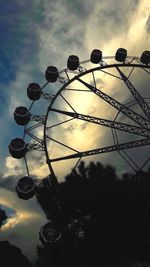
(114, 212)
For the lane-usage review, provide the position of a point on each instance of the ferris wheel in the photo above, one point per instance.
(93, 109)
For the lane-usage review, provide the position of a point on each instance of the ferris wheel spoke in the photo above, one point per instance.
(120, 107)
(108, 123)
(35, 137)
(107, 149)
(67, 75)
(26, 164)
(144, 106)
(60, 143)
(67, 102)
(130, 72)
(75, 166)
(79, 90)
(111, 74)
(60, 123)
(63, 107)
(34, 127)
(124, 154)
(146, 70)
(44, 85)
(31, 105)
(40, 119)
(145, 163)
(129, 160)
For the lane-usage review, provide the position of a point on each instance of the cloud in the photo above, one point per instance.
(45, 33)
(22, 228)
(100, 24)
(8, 182)
(59, 36)
(117, 24)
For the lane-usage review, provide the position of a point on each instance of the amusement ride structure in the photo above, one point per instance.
(128, 124)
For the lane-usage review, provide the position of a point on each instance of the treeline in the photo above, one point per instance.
(108, 219)
(118, 212)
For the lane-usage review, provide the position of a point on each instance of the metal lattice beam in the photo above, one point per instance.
(60, 143)
(47, 96)
(120, 107)
(127, 145)
(36, 146)
(144, 106)
(108, 123)
(40, 118)
(35, 137)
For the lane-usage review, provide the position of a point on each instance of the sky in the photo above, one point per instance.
(35, 34)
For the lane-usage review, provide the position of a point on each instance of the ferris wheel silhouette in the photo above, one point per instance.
(96, 96)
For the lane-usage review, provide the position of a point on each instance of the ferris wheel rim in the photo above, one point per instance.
(85, 72)
(122, 153)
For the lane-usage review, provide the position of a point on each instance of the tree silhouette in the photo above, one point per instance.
(11, 256)
(3, 216)
(108, 218)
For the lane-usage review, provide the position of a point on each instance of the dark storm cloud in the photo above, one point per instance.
(18, 36)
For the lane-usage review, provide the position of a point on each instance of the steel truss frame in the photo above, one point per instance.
(140, 128)
(142, 122)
